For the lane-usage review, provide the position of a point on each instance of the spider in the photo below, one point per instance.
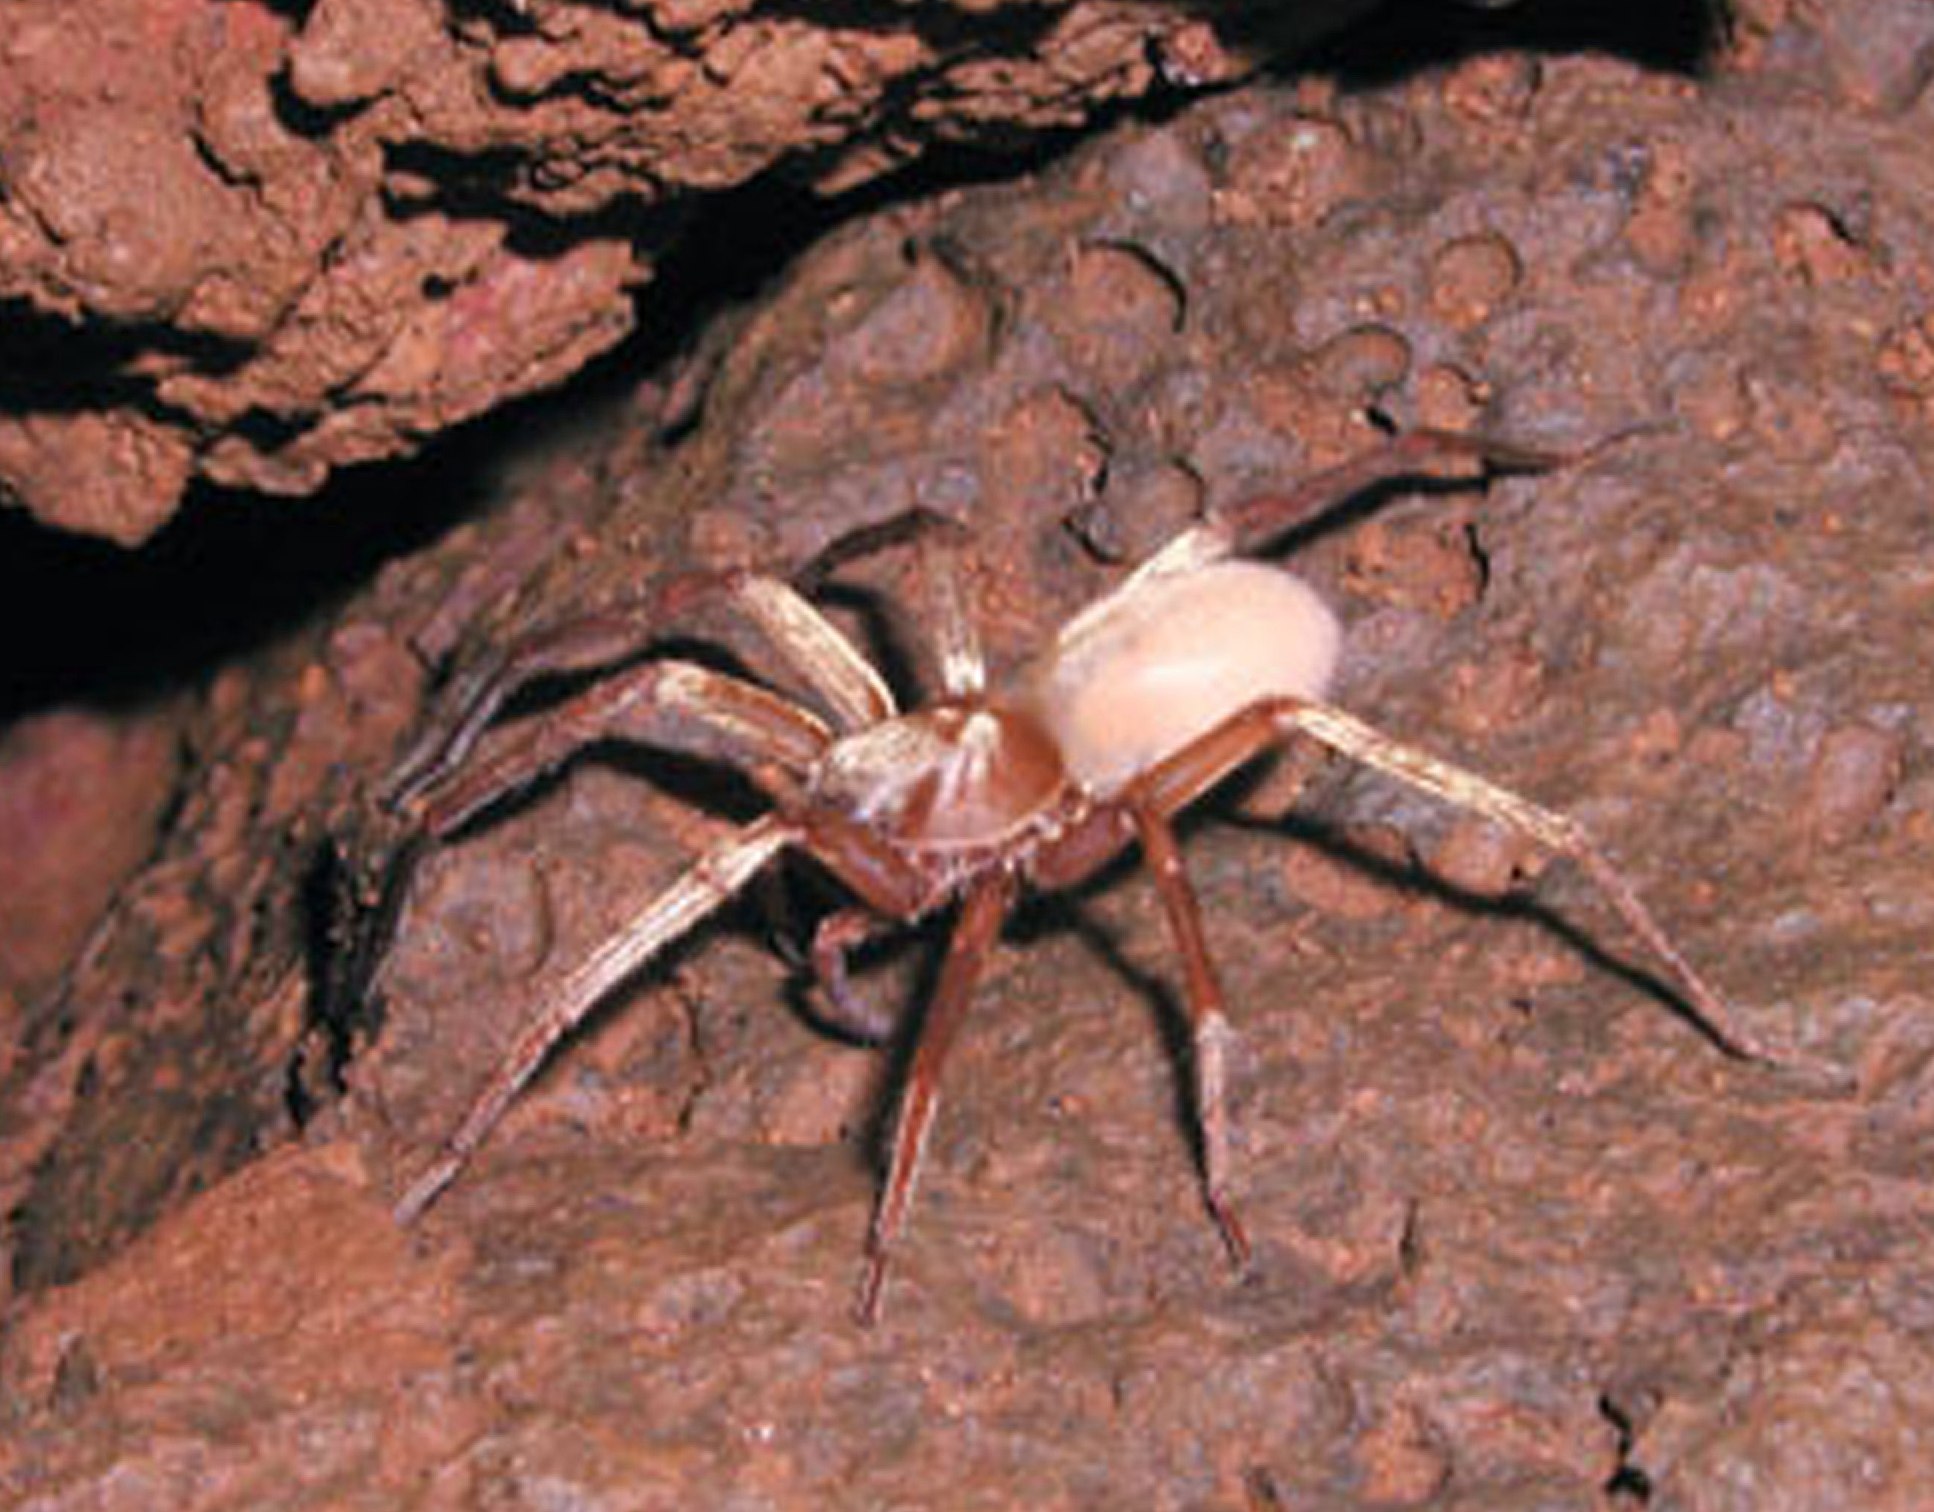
(1193, 665)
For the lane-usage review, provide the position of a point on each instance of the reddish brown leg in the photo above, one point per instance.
(1209, 1030)
(1212, 755)
(877, 871)
(1253, 523)
(670, 705)
(974, 933)
(1082, 849)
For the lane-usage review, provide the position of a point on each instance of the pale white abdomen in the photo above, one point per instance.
(1145, 670)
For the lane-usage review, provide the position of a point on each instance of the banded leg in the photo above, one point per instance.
(1251, 524)
(1209, 1032)
(671, 705)
(1558, 832)
(829, 663)
(941, 544)
(1214, 754)
(817, 650)
(708, 885)
(963, 666)
(974, 933)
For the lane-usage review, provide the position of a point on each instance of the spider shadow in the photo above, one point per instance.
(1361, 504)
(1068, 911)
(1413, 880)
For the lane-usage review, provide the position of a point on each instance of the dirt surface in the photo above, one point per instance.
(1525, 1240)
(253, 243)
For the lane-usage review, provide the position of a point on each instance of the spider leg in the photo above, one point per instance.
(1220, 750)
(963, 666)
(1558, 832)
(1251, 524)
(956, 639)
(817, 650)
(706, 886)
(473, 696)
(974, 933)
(810, 644)
(669, 704)
(672, 705)
(1209, 1031)
(941, 543)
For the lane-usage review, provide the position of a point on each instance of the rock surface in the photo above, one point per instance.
(1524, 1239)
(268, 241)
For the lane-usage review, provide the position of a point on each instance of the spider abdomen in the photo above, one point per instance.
(956, 776)
(1146, 670)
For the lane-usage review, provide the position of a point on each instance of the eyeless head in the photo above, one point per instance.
(959, 775)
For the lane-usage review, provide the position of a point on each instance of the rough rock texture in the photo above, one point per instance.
(81, 803)
(267, 241)
(1524, 1239)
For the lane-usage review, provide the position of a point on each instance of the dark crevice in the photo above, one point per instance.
(91, 622)
(348, 924)
(58, 366)
(86, 621)
(1404, 37)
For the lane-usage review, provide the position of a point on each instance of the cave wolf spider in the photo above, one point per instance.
(1194, 664)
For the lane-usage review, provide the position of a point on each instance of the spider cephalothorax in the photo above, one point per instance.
(1192, 666)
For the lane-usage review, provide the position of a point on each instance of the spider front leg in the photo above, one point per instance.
(940, 544)
(669, 705)
(708, 885)
(472, 698)
(980, 919)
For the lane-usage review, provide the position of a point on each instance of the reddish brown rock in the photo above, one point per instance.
(1854, 774)
(293, 240)
(1523, 1237)
(81, 800)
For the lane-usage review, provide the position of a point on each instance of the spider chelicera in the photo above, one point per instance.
(1189, 668)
